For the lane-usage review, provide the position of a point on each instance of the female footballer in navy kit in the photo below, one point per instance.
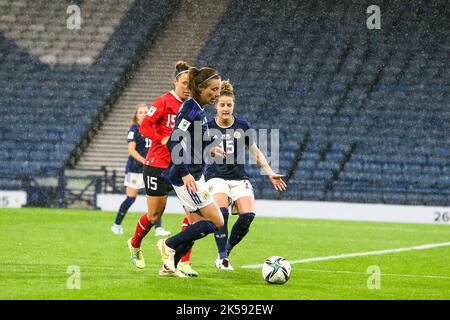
(228, 182)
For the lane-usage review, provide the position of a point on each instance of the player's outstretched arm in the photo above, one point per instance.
(278, 182)
(275, 178)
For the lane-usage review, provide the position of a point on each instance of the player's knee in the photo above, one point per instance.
(247, 219)
(219, 222)
(220, 225)
(131, 200)
(154, 216)
(132, 193)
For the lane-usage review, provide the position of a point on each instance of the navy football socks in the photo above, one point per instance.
(221, 235)
(181, 251)
(193, 232)
(126, 204)
(240, 229)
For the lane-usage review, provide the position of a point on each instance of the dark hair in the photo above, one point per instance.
(200, 77)
(180, 68)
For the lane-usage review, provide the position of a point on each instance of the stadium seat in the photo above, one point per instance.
(379, 130)
(358, 122)
(49, 91)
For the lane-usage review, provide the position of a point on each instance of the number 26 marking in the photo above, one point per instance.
(441, 217)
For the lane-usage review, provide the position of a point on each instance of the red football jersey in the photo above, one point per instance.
(158, 124)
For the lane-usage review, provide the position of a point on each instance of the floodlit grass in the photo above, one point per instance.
(38, 245)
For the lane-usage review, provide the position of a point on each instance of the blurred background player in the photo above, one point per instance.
(138, 146)
(229, 181)
(157, 125)
(186, 171)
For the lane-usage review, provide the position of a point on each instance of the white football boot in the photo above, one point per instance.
(161, 232)
(117, 229)
(223, 264)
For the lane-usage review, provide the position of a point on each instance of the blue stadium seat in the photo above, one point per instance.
(35, 98)
(373, 118)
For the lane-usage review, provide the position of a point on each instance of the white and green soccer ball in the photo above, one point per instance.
(276, 270)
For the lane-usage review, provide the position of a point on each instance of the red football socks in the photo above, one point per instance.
(142, 228)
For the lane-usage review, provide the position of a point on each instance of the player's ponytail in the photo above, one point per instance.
(200, 78)
(192, 75)
(181, 67)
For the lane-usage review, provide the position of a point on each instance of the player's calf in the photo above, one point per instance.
(240, 229)
(221, 235)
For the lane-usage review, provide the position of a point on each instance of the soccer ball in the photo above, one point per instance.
(276, 270)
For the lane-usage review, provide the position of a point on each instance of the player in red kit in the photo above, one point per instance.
(157, 126)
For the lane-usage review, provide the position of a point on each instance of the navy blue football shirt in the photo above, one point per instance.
(235, 139)
(142, 146)
(189, 159)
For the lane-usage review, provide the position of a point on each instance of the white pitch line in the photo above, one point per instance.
(381, 274)
(359, 254)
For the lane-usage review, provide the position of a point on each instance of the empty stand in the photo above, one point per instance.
(40, 27)
(48, 108)
(373, 104)
(181, 38)
(363, 114)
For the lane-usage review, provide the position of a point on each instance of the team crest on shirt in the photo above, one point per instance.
(237, 134)
(130, 135)
(205, 196)
(184, 125)
(151, 111)
(210, 189)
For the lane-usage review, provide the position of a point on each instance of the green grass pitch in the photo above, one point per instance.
(38, 245)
